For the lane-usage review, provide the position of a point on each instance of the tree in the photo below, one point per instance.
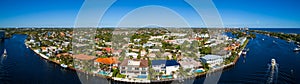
(115, 72)
(131, 57)
(139, 57)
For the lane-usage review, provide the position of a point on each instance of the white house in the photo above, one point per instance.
(134, 68)
(212, 60)
(165, 66)
(134, 55)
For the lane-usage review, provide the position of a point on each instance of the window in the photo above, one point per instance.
(143, 68)
(123, 72)
(144, 72)
(129, 68)
(137, 68)
(123, 67)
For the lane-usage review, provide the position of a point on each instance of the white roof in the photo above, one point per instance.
(211, 57)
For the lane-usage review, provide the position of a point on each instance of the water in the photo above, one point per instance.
(283, 30)
(23, 66)
(254, 67)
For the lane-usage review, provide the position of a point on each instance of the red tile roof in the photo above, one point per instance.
(110, 60)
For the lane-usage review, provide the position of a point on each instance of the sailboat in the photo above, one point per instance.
(5, 53)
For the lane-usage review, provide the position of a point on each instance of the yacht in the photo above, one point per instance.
(244, 52)
(263, 39)
(5, 53)
(273, 62)
(63, 65)
(296, 49)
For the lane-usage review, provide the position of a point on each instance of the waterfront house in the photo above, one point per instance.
(212, 60)
(112, 61)
(165, 66)
(134, 68)
(189, 63)
(44, 49)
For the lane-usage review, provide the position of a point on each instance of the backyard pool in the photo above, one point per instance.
(199, 71)
(142, 76)
(103, 73)
(167, 76)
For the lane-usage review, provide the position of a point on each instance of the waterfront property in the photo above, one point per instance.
(189, 63)
(134, 68)
(167, 67)
(212, 60)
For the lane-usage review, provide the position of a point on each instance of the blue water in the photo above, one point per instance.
(254, 67)
(283, 30)
(23, 66)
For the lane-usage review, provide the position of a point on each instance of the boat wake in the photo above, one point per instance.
(272, 74)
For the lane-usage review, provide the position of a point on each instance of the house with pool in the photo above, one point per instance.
(212, 60)
(134, 68)
(168, 67)
(190, 64)
(105, 65)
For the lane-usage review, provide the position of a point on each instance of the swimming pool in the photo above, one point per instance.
(199, 71)
(103, 73)
(141, 76)
(167, 76)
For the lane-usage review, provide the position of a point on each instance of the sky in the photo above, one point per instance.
(233, 13)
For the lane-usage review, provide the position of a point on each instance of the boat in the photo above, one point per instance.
(296, 49)
(273, 62)
(244, 52)
(263, 39)
(5, 53)
(63, 65)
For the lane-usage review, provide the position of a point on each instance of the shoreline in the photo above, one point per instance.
(126, 80)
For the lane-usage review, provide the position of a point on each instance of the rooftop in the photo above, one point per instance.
(83, 57)
(110, 60)
(165, 62)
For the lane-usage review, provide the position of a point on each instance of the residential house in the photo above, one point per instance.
(189, 63)
(165, 66)
(112, 61)
(134, 55)
(212, 60)
(134, 68)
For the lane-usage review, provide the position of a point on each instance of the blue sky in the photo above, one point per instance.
(234, 13)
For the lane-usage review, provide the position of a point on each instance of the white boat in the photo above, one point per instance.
(296, 49)
(273, 62)
(5, 53)
(263, 39)
(244, 52)
(63, 65)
